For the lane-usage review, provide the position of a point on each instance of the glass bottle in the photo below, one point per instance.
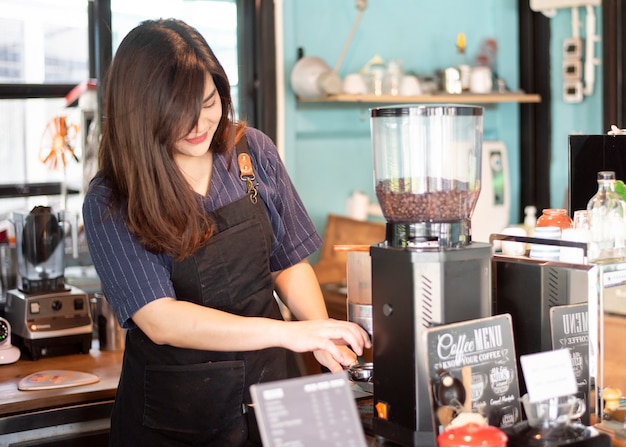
(463, 66)
(393, 75)
(530, 219)
(606, 221)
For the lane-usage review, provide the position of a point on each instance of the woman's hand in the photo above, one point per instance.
(326, 359)
(329, 340)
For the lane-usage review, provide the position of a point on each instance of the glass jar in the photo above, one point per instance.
(606, 221)
(393, 75)
(554, 217)
(375, 77)
(581, 219)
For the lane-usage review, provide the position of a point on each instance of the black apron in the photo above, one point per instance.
(171, 396)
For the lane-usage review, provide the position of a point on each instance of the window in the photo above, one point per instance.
(43, 46)
(215, 19)
(44, 53)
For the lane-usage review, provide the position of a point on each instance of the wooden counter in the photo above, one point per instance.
(106, 365)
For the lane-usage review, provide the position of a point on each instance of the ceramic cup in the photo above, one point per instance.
(514, 248)
(481, 80)
(546, 251)
(354, 84)
(410, 86)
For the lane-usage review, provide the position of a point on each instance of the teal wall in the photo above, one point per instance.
(327, 147)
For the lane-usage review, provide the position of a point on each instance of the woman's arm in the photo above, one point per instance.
(187, 325)
(298, 288)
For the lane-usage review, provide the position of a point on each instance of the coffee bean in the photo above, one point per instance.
(451, 201)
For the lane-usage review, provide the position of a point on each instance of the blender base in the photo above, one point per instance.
(56, 346)
(50, 324)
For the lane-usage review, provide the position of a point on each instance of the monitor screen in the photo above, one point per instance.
(588, 155)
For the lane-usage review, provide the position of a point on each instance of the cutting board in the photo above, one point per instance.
(54, 379)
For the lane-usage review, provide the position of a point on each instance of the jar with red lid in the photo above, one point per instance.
(555, 217)
(473, 435)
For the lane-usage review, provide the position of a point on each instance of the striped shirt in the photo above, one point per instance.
(132, 276)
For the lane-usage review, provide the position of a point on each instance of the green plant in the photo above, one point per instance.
(620, 188)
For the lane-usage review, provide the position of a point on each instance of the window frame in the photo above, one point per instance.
(614, 63)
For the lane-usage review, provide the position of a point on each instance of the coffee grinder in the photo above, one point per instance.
(47, 316)
(427, 166)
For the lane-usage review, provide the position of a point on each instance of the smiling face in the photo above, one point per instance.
(196, 143)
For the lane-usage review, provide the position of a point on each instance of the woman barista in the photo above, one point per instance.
(190, 246)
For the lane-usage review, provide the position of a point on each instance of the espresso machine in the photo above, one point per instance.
(48, 317)
(427, 163)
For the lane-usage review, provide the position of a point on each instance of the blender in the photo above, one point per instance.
(47, 316)
(427, 167)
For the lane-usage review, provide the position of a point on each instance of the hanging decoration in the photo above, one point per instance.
(58, 142)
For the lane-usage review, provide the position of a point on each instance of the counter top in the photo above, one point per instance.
(107, 366)
(104, 364)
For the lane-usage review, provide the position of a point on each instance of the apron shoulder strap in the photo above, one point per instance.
(242, 145)
(246, 173)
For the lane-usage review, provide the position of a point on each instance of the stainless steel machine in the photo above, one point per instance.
(427, 163)
(47, 316)
(531, 291)
(524, 286)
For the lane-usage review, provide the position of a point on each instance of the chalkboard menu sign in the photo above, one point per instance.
(472, 365)
(570, 330)
(309, 411)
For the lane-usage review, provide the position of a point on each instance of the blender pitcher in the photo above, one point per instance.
(39, 237)
(427, 162)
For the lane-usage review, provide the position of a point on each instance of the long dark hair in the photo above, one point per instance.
(153, 98)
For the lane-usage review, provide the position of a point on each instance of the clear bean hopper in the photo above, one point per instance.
(427, 162)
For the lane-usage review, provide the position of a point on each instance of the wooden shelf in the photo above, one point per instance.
(439, 98)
